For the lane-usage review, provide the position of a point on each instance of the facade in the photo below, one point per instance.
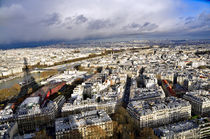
(159, 112)
(59, 101)
(31, 116)
(91, 124)
(204, 125)
(180, 130)
(200, 101)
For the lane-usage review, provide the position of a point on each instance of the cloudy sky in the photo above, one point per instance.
(44, 20)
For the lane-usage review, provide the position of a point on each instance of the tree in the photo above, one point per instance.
(124, 126)
(41, 135)
(202, 67)
(147, 133)
(49, 73)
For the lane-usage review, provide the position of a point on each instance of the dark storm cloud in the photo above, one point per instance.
(134, 25)
(189, 20)
(70, 22)
(80, 19)
(145, 27)
(146, 24)
(149, 26)
(199, 23)
(99, 24)
(52, 19)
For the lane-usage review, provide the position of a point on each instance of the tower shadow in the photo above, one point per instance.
(28, 85)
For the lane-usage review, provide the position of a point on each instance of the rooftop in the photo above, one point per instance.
(199, 96)
(145, 93)
(83, 119)
(171, 129)
(148, 107)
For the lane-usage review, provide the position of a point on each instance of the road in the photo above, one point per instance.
(127, 92)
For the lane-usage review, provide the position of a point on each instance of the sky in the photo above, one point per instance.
(45, 20)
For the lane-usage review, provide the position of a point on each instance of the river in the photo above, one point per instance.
(10, 83)
(35, 75)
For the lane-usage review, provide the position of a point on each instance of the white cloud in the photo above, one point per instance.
(38, 20)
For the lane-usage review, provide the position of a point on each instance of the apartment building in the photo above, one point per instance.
(200, 101)
(159, 112)
(91, 124)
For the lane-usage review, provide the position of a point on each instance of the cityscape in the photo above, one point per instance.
(105, 70)
(115, 91)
